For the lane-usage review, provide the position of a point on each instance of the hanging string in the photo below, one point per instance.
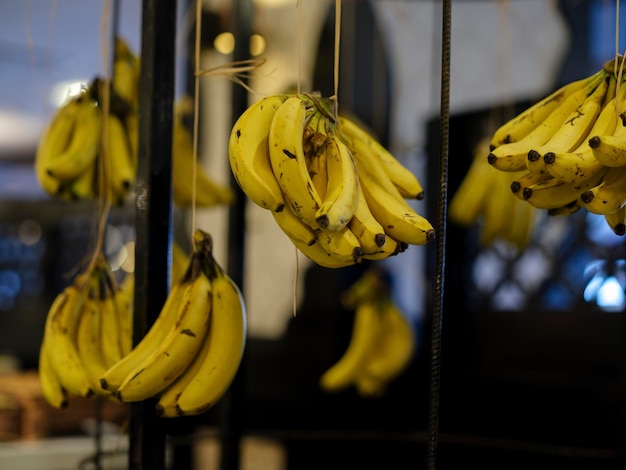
(337, 49)
(196, 110)
(435, 364)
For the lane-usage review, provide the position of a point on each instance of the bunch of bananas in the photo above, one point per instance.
(71, 163)
(88, 329)
(191, 353)
(335, 191)
(484, 198)
(382, 344)
(567, 148)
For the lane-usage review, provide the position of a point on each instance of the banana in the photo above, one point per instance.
(609, 150)
(289, 165)
(163, 324)
(59, 333)
(609, 195)
(84, 144)
(180, 345)
(219, 360)
(368, 231)
(84, 188)
(397, 217)
(529, 119)
(248, 153)
(121, 169)
(519, 232)
(110, 328)
(208, 192)
(396, 347)
(126, 71)
(294, 228)
(180, 262)
(575, 129)
(467, 202)
(53, 142)
(124, 299)
(526, 180)
(342, 191)
(554, 193)
(323, 257)
(88, 343)
(617, 220)
(361, 141)
(390, 248)
(342, 244)
(513, 156)
(363, 345)
(497, 211)
(568, 209)
(51, 387)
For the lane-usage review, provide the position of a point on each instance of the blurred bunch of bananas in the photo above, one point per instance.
(569, 149)
(88, 329)
(187, 358)
(72, 163)
(191, 353)
(382, 344)
(484, 198)
(335, 191)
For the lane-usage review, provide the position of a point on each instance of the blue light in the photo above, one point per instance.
(610, 295)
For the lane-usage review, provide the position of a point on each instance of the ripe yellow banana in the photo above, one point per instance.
(110, 328)
(88, 337)
(208, 192)
(368, 231)
(342, 244)
(121, 169)
(554, 193)
(124, 300)
(248, 152)
(315, 252)
(390, 248)
(180, 345)
(609, 195)
(525, 180)
(288, 160)
(163, 324)
(59, 333)
(363, 345)
(513, 156)
(126, 71)
(568, 209)
(361, 141)
(526, 121)
(51, 387)
(294, 228)
(84, 144)
(575, 130)
(53, 142)
(609, 150)
(342, 190)
(398, 218)
(84, 187)
(219, 360)
(617, 221)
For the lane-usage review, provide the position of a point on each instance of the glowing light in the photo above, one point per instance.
(64, 91)
(224, 43)
(610, 295)
(257, 44)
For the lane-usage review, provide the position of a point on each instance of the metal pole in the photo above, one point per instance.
(442, 206)
(147, 436)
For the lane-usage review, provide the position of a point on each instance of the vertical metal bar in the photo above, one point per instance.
(231, 418)
(442, 208)
(147, 436)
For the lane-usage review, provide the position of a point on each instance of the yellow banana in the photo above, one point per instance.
(568, 209)
(390, 248)
(121, 169)
(84, 187)
(110, 328)
(289, 165)
(126, 71)
(315, 252)
(180, 262)
(179, 347)
(617, 220)
(554, 193)
(525, 180)
(342, 244)
(368, 231)
(208, 192)
(363, 345)
(84, 144)
(88, 343)
(397, 217)
(51, 387)
(609, 195)
(59, 333)
(513, 156)
(124, 303)
(609, 150)
(53, 142)
(575, 129)
(248, 152)
(361, 141)
(293, 227)
(341, 196)
(529, 119)
(225, 344)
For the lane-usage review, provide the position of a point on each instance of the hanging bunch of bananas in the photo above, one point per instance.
(191, 353)
(382, 344)
(88, 329)
(484, 198)
(68, 161)
(335, 191)
(567, 149)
